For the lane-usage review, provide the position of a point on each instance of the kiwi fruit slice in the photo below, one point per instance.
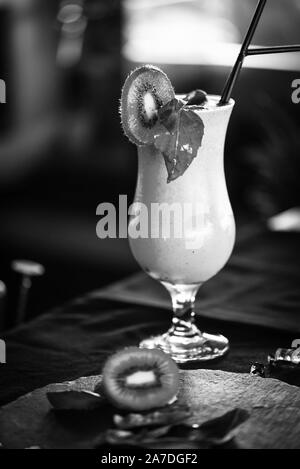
(140, 379)
(145, 90)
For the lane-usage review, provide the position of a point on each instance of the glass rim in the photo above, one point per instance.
(217, 107)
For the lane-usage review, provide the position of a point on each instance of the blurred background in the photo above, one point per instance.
(62, 151)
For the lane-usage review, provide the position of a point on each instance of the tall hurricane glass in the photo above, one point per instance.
(182, 260)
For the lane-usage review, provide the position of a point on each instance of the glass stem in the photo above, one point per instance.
(183, 301)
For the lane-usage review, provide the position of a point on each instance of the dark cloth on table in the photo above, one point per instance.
(74, 340)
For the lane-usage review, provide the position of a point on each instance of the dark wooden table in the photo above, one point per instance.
(254, 301)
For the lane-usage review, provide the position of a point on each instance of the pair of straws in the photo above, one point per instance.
(246, 51)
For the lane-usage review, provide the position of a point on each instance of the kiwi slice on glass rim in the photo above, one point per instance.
(145, 90)
(139, 379)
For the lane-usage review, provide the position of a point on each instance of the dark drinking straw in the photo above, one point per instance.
(243, 52)
(273, 50)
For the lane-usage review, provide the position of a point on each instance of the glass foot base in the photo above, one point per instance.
(201, 347)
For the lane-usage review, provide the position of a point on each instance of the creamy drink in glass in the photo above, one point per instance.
(197, 202)
(191, 228)
(199, 245)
